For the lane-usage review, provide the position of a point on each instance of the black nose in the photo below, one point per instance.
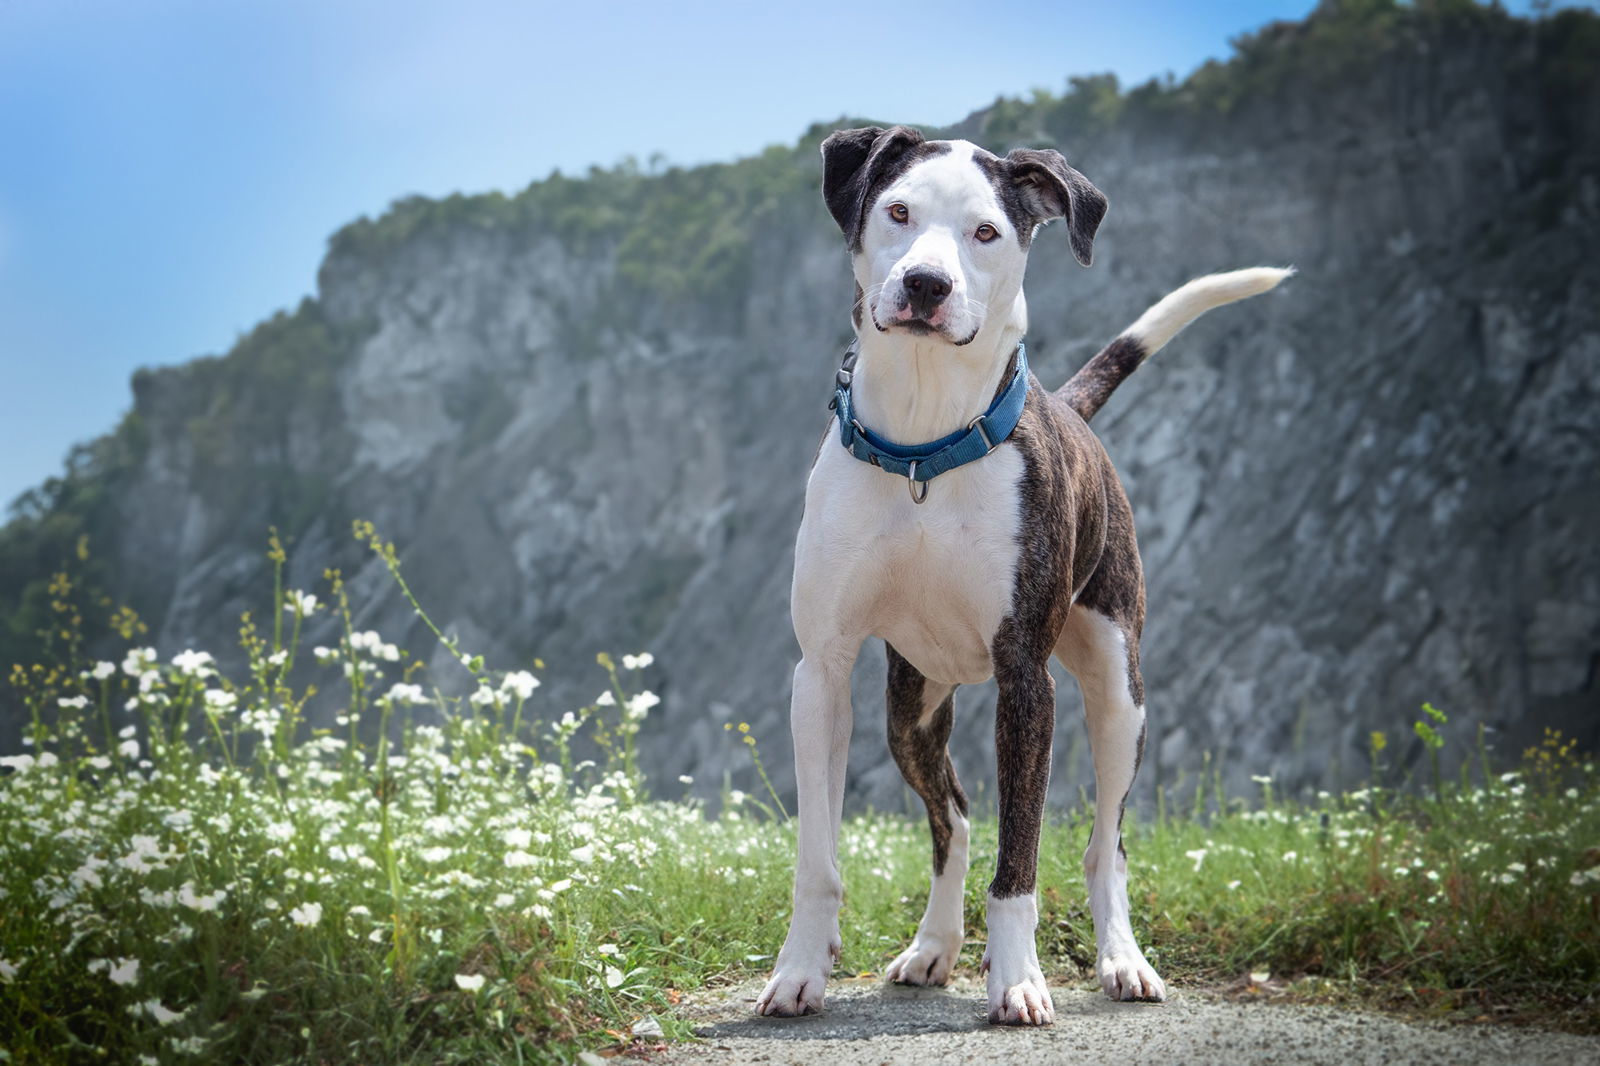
(926, 288)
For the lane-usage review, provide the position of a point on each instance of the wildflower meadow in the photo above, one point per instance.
(189, 872)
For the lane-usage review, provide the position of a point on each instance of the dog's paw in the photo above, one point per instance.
(1127, 976)
(789, 995)
(928, 961)
(1018, 994)
(798, 980)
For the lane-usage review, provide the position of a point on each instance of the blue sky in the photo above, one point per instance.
(170, 170)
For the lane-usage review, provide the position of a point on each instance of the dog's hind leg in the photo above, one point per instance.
(920, 715)
(1103, 655)
(1025, 719)
(820, 722)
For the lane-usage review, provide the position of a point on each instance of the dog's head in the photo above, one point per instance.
(940, 230)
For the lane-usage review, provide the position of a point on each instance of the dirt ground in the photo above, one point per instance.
(869, 1024)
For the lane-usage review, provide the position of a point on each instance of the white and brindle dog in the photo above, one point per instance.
(977, 568)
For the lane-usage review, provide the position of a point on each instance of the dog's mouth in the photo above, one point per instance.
(921, 327)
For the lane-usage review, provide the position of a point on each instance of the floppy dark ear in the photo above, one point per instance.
(1051, 189)
(852, 161)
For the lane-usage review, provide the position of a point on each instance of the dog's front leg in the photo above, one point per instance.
(820, 721)
(1024, 724)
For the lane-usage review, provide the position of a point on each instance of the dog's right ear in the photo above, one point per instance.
(854, 164)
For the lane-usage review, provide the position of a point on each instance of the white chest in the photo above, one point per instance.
(934, 580)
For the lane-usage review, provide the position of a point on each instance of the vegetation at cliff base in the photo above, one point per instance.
(189, 872)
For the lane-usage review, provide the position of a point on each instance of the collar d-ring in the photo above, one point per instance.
(912, 483)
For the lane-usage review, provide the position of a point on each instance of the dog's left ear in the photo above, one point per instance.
(1051, 189)
(852, 162)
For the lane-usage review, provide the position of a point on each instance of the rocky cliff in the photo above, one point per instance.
(585, 414)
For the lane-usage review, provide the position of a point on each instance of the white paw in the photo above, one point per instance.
(1018, 994)
(928, 961)
(1127, 976)
(798, 980)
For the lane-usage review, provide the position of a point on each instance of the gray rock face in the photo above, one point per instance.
(1376, 486)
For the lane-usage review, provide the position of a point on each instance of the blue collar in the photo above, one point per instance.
(921, 463)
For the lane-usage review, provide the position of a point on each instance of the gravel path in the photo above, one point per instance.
(868, 1024)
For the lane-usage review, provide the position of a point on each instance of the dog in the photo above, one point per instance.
(1005, 539)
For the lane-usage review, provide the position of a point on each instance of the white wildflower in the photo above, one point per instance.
(402, 693)
(483, 697)
(1198, 855)
(517, 838)
(300, 603)
(469, 982)
(435, 854)
(605, 699)
(195, 901)
(306, 915)
(639, 706)
(685, 779)
(517, 859)
(145, 855)
(103, 670)
(125, 972)
(138, 660)
(99, 762)
(20, 763)
(218, 700)
(613, 977)
(520, 684)
(193, 663)
(583, 856)
(77, 702)
(161, 1014)
(637, 662)
(8, 970)
(88, 874)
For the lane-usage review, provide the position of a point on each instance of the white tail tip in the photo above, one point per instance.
(1188, 302)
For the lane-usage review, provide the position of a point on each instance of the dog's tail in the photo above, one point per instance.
(1093, 385)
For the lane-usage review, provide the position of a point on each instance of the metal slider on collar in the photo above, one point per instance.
(983, 431)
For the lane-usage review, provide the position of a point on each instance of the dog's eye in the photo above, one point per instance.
(986, 233)
(899, 212)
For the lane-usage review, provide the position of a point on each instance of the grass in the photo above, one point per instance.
(188, 872)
